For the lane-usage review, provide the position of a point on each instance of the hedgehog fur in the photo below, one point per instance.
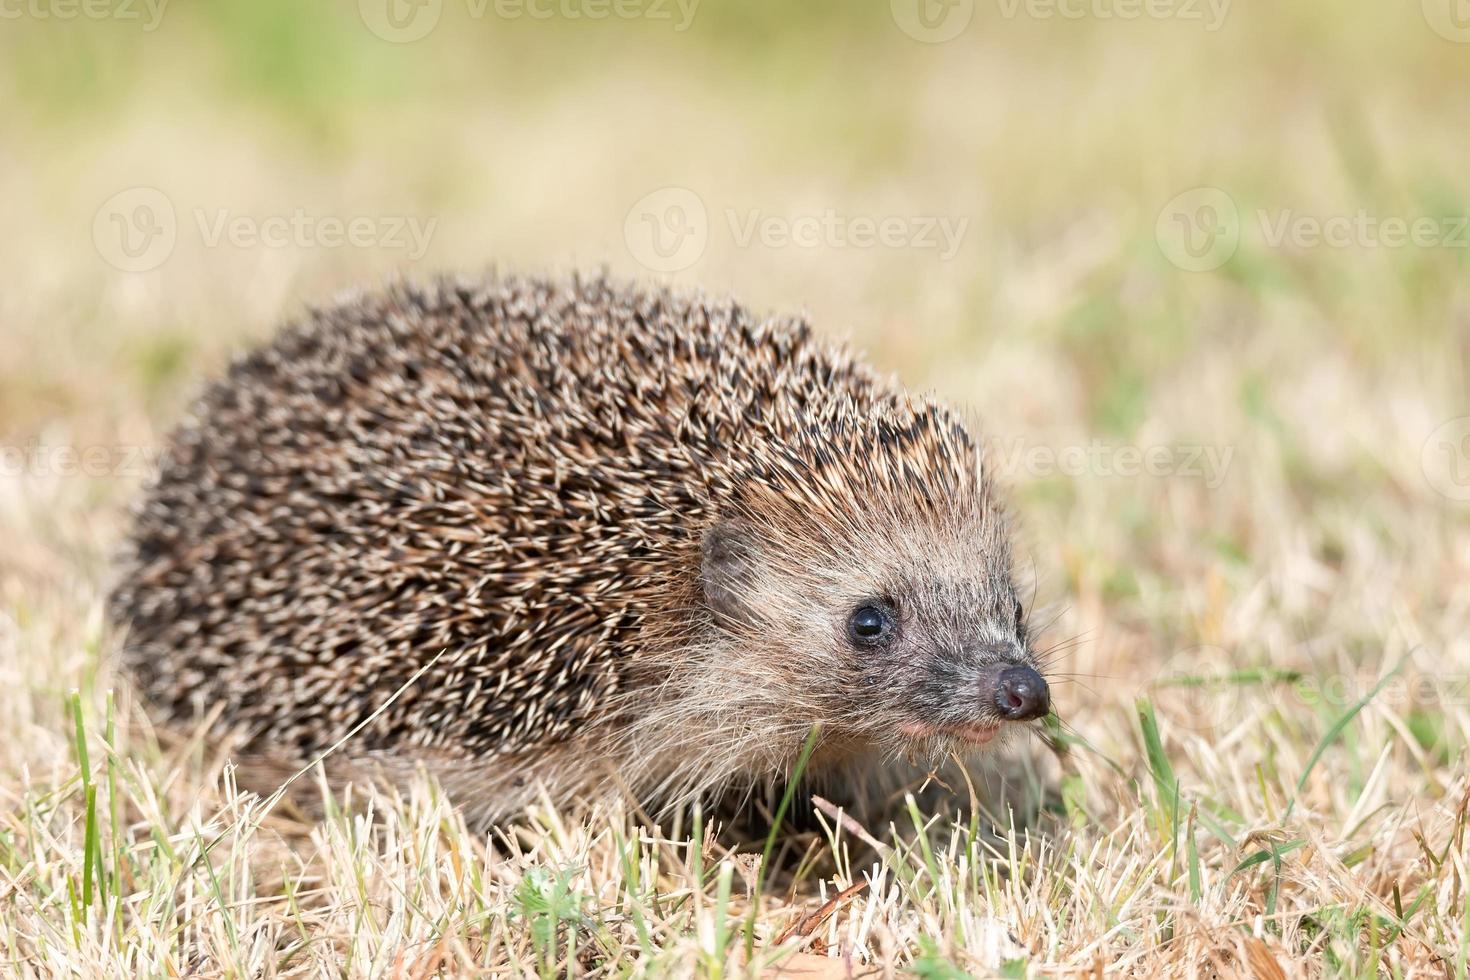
(572, 537)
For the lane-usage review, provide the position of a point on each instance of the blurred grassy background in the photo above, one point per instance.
(526, 141)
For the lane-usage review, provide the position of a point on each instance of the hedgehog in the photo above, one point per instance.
(571, 538)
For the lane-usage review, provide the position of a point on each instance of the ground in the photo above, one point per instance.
(1203, 272)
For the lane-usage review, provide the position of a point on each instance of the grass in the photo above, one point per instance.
(1259, 640)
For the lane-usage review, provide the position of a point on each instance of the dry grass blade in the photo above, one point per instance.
(808, 923)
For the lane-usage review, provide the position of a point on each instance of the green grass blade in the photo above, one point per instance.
(1159, 766)
(1333, 733)
(802, 759)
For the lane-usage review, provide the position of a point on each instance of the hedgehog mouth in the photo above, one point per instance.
(975, 734)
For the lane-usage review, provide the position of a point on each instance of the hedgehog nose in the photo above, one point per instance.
(1021, 694)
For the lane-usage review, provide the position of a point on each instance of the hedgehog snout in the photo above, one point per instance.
(1021, 694)
(1010, 689)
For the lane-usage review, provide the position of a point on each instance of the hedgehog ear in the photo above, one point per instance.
(727, 570)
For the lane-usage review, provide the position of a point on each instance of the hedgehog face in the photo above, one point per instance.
(895, 634)
(946, 661)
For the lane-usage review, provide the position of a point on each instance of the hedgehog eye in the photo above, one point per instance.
(1020, 612)
(870, 626)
